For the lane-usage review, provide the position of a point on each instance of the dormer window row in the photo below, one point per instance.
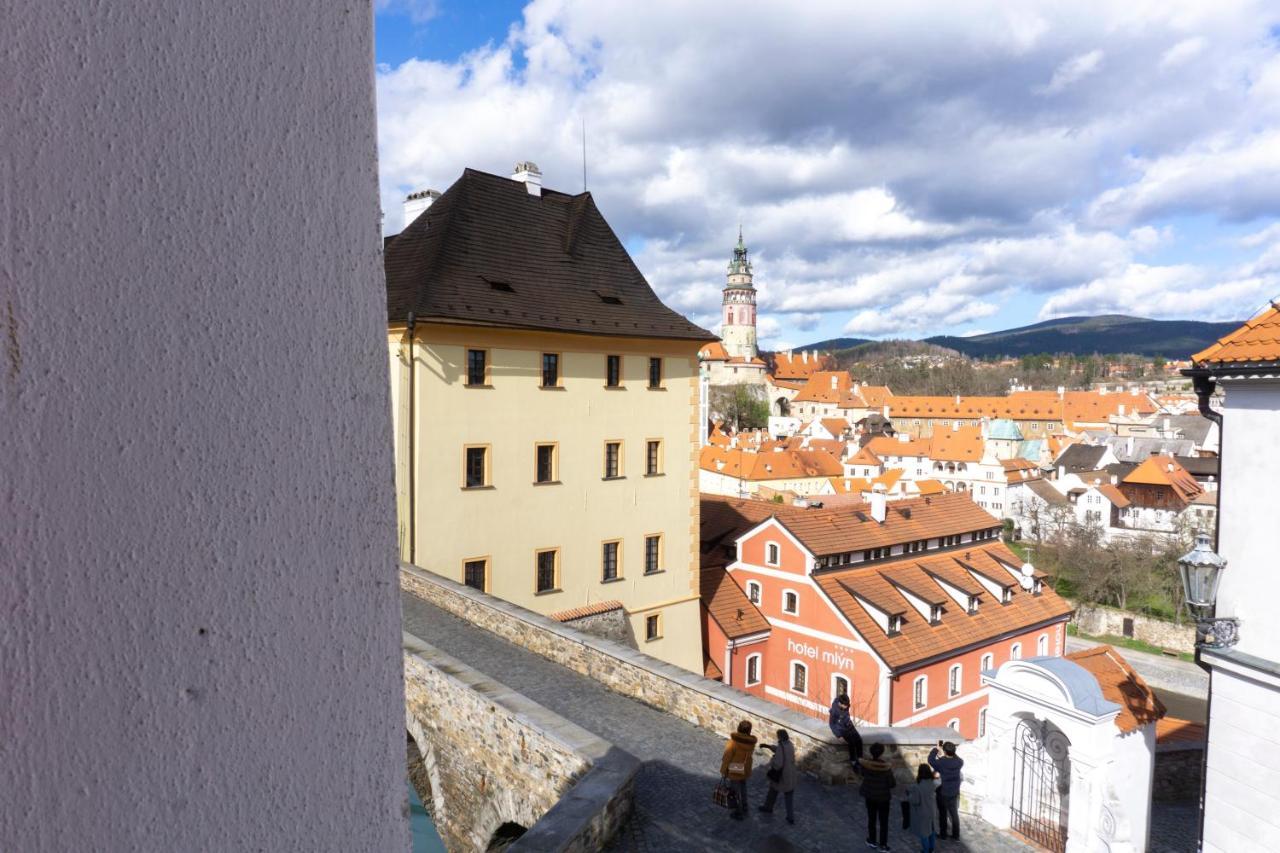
(876, 553)
(947, 541)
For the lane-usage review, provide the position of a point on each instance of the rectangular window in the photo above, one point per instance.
(476, 465)
(919, 694)
(841, 686)
(550, 370)
(753, 669)
(548, 570)
(613, 371)
(655, 373)
(982, 722)
(799, 677)
(476, 367)
(753, 592)
(790, 602)
(953, 681)
(652, 627)
(473, 573)
(545, 466)
(612, 459)
(609, 568)
(652, 554)
(652, 457)
(771, 554)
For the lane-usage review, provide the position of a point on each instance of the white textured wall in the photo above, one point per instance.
(199, 624)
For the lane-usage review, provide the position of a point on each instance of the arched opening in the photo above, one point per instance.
(1041, 783)
(504, 836)
(783, 407)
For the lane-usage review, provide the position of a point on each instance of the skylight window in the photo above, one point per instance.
(500, 286)
(608, 298)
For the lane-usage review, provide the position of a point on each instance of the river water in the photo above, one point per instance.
(425, 837)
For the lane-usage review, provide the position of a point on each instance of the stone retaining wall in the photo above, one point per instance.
(1098, 620)
(492, 756)
(705, 703)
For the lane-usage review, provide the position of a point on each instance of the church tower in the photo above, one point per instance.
(738, 308)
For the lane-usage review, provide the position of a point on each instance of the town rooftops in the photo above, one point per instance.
(963, 444)
(851, 527)
(1081, 457)
(489, 253)
(1256, 343)
(797, 367)
(1121, 684)
(728, 605)
(769, 464)
(1004, 429)
(1047, 493)
(1165, 471)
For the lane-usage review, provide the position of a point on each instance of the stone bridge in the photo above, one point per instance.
(523, 723)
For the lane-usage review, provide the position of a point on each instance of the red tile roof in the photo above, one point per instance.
(769, 465)
(1173, 730)
(1165, 471)
(586, 610)
(1121, 684)
(728, 605)
(1256, 342)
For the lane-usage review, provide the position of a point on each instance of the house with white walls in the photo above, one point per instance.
(1242, 784)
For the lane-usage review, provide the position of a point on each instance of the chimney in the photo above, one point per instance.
(1120, 410)
(955, 426)
(957, 399)
(1129, 447)
(415, 203)
(528, 173)
(804, 356)
(1062, 471)
(1102, 391)
(835, 381)
(1062, 392)
(879, 507)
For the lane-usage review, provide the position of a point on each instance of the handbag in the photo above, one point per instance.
(724, 796)
(738, 768)
(906, 815)
(774, 774)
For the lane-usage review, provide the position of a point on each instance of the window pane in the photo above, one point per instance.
(753, 669)
(546, 463)
(550, 369)
(651, 628)
(611, 459)
(842, 686)
(613, 370)
(475, 366)
(798, 677)
(651, 547)
(753, 593)
(655, 372)
(610, 561)
(473, 574)
(546, 571)
(475, 467)
(651, 458)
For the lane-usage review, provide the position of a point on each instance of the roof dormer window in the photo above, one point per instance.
(895, 625)
(973, 604)
(935, 614)
(1006, 595)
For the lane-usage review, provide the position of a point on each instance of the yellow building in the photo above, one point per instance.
(546, 411)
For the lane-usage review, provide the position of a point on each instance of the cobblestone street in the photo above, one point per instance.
(680, 761)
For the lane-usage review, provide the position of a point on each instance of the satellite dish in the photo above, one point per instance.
(1028, 579)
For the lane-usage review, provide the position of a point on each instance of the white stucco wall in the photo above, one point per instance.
(200, 646)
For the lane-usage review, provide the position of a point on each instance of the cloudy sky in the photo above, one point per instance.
(899, 170)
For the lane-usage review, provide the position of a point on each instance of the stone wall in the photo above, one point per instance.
(701, 701)
(492, 757)
(1177, 772)
(1098, 620)
(611, 625)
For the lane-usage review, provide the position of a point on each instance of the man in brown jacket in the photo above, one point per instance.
(735, 765)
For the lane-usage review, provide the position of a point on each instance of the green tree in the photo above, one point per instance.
(740, 406)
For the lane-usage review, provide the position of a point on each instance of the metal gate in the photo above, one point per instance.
(1041, 784)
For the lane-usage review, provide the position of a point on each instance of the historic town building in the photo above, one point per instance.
(901, 605)
(546, 411)
(735, 359)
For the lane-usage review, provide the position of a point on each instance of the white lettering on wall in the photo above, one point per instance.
(835, 658)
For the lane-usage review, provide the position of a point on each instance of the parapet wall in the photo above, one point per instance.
(1098, 621)
(706, 703)
(493, 757)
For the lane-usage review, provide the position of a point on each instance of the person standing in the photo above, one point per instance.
(924, 807)
(877, 790)
(841, 725)
(782, 775)
(735, 765)
(948, 766)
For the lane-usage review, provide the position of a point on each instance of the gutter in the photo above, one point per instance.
(412, 443)
(1204, 383)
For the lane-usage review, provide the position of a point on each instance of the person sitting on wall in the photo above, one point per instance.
(842, 726)
(948, 766)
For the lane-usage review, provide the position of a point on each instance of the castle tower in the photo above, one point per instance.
(738, 308)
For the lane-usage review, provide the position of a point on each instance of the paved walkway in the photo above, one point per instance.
(1160, 671)
(681, 762)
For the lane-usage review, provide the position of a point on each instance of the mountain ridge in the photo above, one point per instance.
(1104, 334)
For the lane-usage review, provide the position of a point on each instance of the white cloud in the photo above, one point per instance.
(1072, 71)
(888, 176)
(1174, 291)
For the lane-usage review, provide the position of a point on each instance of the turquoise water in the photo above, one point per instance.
(425, 837)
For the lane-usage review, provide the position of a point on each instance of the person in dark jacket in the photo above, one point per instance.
(783, 765)
(841, 725)
(948, 767)
(735, 765)
(877, 790)
(922, 797)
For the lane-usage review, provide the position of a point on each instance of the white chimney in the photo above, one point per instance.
(835, 380)
(879, 507)
(955, 426)
(1062, 391)
(957, 399)
(1120, 410)
(1129, 447)
(804, 356)
(415, 203)
(1102, 391)
(528, 173)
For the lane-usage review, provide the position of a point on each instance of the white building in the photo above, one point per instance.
(1242, 785)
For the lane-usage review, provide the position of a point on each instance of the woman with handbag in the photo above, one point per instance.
(735, 767)
(924, 807)
(782, 775)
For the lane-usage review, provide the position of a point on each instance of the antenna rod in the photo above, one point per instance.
(584, 153)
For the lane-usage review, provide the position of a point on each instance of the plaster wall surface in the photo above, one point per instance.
(200, 646)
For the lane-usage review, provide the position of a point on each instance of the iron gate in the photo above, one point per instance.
(1041, 784)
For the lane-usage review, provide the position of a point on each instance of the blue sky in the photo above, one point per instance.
(898, 172)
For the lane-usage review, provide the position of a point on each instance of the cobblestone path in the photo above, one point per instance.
(681, 762)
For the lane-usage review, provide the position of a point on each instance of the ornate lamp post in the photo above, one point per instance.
(1201, 571)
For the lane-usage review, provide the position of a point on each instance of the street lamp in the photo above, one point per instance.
(1201, 571)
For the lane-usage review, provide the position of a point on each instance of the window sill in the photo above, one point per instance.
(551, 388)
(654, 388)
(618, 579)
(791, 612)
(659, 474)
(655, 572)
(485, 386)
(751, 683)
(546, 482)
(549, 591)
(619, 477)
(615, 388)
(477, 488)
(653, 639)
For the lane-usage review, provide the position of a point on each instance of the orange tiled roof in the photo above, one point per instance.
(710, 669)
(826, 386)
(864, 456)
(858, 485)
(929, 487)
(770, 465)
(713, 351)
(1165, 471)
(1121, 684)
(890, 445)
(875, 396)
(1093, 407)
(1113, 494)
(586, 610)
(787, 366)
(880, 584)
(1256, 342)
(833, 446)
(957, 445)
(1073, 407)
(728, 605)
(850, 527)
(1173, 730)
(835, 426)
